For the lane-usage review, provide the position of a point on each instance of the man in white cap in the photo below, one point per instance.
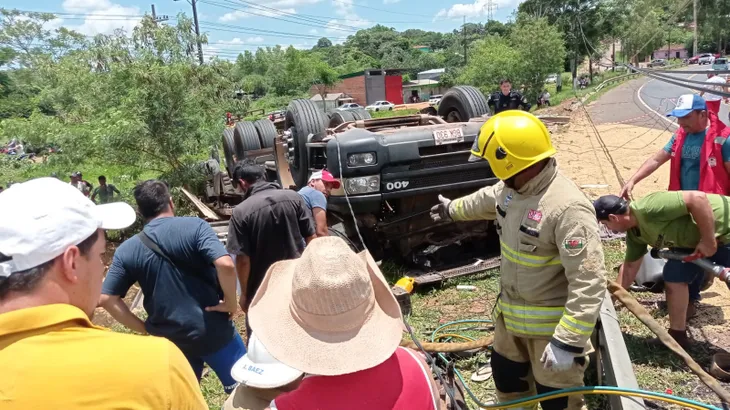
(262, 378)
(51, 271)
(331, 315)
(315, 195)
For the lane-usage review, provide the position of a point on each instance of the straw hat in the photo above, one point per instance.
(327, 313)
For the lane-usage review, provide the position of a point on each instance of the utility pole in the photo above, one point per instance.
(197, 31)
(160, 19)
(463, 30)
(694, 17)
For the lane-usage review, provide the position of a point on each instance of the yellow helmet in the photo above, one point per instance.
(513, 141)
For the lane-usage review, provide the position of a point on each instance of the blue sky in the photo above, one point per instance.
(237, 25)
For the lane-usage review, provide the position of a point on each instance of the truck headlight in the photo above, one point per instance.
(362, 159)
(362, 185)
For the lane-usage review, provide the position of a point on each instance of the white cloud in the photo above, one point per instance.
(346, 10)
(390, 1)
(476, 9)
(313, 31)
(254, 39)
(97, 23)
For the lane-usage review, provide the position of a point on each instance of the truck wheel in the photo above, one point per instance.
(461, 103)
(266, 131)
(245, 138)
(228, 149)
(361, 114)
(302, 118)
(340, 118)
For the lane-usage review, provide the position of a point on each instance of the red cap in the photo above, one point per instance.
(325, 176)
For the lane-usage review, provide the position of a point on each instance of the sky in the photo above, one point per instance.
(234, 26)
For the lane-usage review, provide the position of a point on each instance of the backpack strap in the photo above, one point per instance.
(149, 243)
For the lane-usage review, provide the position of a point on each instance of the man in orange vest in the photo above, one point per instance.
(699, 155)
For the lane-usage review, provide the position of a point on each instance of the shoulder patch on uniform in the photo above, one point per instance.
(534, 215)
(573, 244)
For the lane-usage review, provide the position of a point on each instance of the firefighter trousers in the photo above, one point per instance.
(518, 373)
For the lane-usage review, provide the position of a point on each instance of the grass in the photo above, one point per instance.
(394, 113)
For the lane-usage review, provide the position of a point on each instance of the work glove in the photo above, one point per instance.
(556, 359)
(440, 212)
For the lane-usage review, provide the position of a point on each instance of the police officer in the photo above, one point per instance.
(507, 99)
(552, 270)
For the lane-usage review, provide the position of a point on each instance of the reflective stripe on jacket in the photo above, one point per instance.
(552, 270)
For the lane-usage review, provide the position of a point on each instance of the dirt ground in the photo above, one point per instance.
(582, 157)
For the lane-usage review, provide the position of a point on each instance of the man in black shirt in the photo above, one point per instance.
(267, 227)
(507, 99)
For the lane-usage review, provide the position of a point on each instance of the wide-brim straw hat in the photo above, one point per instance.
(330, 312)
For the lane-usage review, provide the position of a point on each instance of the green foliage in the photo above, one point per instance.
(524, 58)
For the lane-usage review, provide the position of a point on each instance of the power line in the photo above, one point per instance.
(377, 9)
(271, 17)
(311, 19)
(251, 30)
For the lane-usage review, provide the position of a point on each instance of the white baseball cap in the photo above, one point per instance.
(258, 368)
(44, 216)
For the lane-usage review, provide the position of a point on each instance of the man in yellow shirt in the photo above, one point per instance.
(51, 271)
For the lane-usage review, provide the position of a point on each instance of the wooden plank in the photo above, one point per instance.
(614, 355)
(203, 208)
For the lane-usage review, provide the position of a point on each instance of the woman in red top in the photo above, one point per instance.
(331, 315)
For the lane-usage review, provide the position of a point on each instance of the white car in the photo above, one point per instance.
(435, 99)
(551, 79)
(706, 58)
(349, 106)
(380, 106)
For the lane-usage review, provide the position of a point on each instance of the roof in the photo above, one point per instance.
(434, 71)
(388, 71)
(672, 47)
(419, 83)
(331, 97)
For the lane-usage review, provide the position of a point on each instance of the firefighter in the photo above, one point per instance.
(552, 272)
(507, 99)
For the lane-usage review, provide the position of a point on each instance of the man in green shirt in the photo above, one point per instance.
(672, 219)
(105, 192)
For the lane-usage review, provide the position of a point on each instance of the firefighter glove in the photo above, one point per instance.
(440, 212)
(556, 359)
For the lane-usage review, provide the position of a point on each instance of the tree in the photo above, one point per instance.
(323, 42)
(325, 77)
(490, 60)
(540, 55)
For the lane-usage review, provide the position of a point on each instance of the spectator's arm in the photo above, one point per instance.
(115, 286)
(93, 196)
(243, 269)
(121, 313)
(115, 189)
(627, 272)
(306, 224)
(227, 279)
(320, 220)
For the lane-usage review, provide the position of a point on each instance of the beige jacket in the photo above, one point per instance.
(553, 271)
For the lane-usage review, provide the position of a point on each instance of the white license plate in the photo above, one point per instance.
(450, 136)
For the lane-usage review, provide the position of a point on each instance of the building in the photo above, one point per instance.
(366, 87)
(422, 89)
(331, 100)
(434, 74)
(671, 51)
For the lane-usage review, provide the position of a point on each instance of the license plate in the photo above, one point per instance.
(450, 136)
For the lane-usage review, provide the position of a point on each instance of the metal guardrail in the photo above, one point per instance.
(613, 362)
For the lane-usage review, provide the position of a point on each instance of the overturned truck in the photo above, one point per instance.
(391, 170)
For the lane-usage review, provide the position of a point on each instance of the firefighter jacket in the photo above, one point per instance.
(552, 270)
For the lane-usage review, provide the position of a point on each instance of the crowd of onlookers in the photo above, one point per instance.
(323, 328)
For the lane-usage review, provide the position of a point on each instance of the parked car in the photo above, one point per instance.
(720, 64)
(349, 106)
(693, 60)
(551, 79)
(706, 58)
(380, 106)
(435, 99)
(659, 62)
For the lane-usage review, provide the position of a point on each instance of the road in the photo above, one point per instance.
(644, 102)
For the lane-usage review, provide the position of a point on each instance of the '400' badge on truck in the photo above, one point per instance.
(396, 185)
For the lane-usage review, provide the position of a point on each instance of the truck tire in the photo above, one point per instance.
(302, 118)
(228, 149)
(361, 114)
(341, 117)
(461, 103)
(245, 138)
(267, 132)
